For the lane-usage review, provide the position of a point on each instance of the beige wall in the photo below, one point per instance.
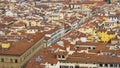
(9, 61)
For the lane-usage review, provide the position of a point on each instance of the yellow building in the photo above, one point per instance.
(105, 36)
(56, 16)
(16, 54)
(114, 1)
(87, 4)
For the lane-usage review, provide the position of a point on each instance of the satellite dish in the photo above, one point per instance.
(83, 39)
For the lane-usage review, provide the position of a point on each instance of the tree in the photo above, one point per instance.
(108, 1)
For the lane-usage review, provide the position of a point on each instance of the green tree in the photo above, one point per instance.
(108, 1)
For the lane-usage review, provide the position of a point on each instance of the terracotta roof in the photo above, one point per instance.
(21, 46)
(87, 58)
(88, 43)
(102, 30)
(111, 32)
(61, 53)
(8, 19)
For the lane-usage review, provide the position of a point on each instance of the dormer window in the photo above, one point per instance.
(61, 56)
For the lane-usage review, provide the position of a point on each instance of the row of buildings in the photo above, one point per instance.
(93, 44)
(64, 33)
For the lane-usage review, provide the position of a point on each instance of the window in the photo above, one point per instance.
(11, 60)
(16, 61)
(71, 66)
(63, 56)
(115, 65)
(2, 59)
(89, 48)
(59, 56)
(60, 66)
(111, 65)
(66, 67)
(51, 64)
(93, 47)
(100, 65)
(77, 66)
(106, 65)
